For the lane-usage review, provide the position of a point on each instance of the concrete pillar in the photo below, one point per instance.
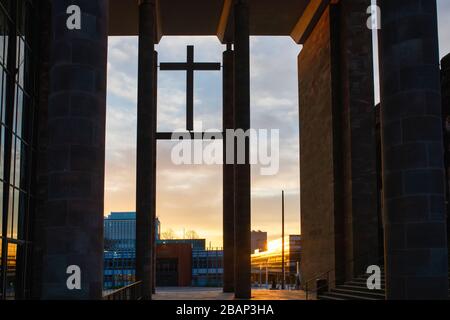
(73, 227)
(228, 173)
(41, 181)
(155, 148)
(445, 85)
(413, 171)
(146, 149)
(242, 222)
(358, 148)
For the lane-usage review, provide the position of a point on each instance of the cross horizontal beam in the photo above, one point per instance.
(197, 66)
(192, 135)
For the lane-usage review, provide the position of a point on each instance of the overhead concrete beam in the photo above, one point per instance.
(308, 19)
(223, 27)
(158, 31)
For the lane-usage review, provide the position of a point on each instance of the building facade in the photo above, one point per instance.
(19, 53)
(259, 241)
(267, 265)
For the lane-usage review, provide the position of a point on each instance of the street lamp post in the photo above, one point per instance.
(282, 243)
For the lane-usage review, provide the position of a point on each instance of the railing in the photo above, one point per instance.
(130, 292)
(322, 282)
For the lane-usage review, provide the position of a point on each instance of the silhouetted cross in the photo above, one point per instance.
(190, 66)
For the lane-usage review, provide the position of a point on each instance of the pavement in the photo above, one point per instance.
(191, 293)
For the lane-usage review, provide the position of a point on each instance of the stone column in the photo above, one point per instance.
(357, 139)
(146, 150)
(413, 170)
(445, 85)
(155, 148)
(73, 227)
(242, 222)
(228, 173)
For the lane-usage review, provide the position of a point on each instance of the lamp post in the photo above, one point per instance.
(282, 242)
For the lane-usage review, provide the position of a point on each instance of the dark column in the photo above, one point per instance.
(358, 148)
(445, 85)
(155, 148)
(73, 228)
(146, 149)
(228, 173)
(413, 176)
(242, 220)
(39, 181)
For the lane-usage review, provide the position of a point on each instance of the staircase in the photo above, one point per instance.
(356, 289)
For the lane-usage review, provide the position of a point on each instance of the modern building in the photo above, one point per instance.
(195, 244)
(52, 139)
(207, 268)
(259, 241)
(173, 265)
(119, 269)
(179, 262)
(267, 265)
(19, 120)
(120, 231)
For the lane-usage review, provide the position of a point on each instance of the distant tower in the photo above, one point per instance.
(158, 229)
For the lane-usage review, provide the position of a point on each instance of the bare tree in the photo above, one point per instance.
(191, 234)
(169, 234)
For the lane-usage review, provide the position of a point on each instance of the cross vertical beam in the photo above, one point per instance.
(190, 67)
(190, 89)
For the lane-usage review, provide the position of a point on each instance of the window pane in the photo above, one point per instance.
(16, 214)
(6, 4)
(3, 101)
(13, 158)
(20, 61)
(1, 209)
(2, 36)
(18, 163)
(1, 268)
(21, 16)
(10, 212)
(11, 267)
(24, 168)
(27, 114)
(18, 112)
(2, 151)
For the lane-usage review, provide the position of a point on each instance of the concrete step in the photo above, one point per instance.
(359, 293)
(362, 289)
(363, 283)
(326, 297)
(344, 296)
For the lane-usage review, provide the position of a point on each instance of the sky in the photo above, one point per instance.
(189, 197)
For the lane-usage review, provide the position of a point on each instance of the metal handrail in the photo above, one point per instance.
(130, 292)
(327, 276)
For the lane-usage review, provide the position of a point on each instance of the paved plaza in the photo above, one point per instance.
(190, 293)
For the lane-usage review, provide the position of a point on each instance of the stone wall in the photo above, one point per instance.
(316, 152)
(338, 152)
(360, 199)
